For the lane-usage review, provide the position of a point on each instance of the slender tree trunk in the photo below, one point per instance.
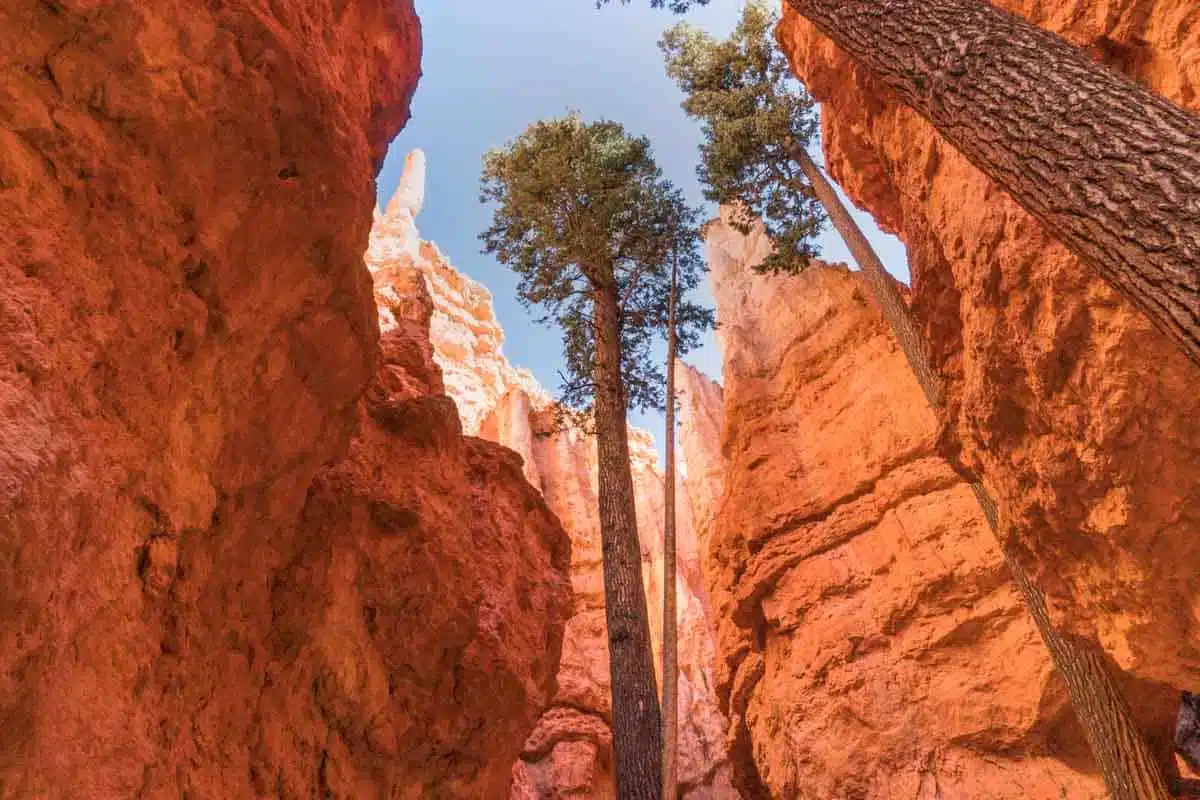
(670, 643)
(1129, 767)
(637, 742)
(1111, 169)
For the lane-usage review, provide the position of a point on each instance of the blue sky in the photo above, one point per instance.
(492, 68)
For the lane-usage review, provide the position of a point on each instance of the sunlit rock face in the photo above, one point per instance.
(230, 512)
(702, 416)
(466, 337)
(871, 644)
(569, 753)
(1080, 416)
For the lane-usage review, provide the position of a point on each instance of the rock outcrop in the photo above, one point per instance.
(701, 420)
(872, 644)
(466, 337)
(427, 597)
(1079, 415)
(569, 753)
(210, 586)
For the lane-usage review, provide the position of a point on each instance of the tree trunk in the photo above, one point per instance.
(637, 743)
(1129, 768)
(670, 642)
(1111, 169)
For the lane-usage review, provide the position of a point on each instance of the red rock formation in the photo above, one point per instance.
(570, 751)
(186, 330)
(427, 595)
(702, 417)
(702, 731)
(1079, 415)
(872, 644)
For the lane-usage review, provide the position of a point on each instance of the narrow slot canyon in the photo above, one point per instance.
(287, 511)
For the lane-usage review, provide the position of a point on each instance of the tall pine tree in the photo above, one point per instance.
(757, 120)
(585, 219)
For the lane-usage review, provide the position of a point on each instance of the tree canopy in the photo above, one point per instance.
(753, 113)
(1032, 117)
(676, 6)
(580, 207)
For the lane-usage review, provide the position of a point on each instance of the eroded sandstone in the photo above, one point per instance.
(186, 330)
(871, 642)
(209, 584)
(1079, 415)
(426, 602)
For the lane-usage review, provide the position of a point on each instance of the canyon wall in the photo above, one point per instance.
(226, 537)
(872, 644)
(1079, 415)
(436, 579)
(569, 753)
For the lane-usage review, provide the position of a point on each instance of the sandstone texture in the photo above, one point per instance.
(569, 753)
(701, 418)
(1079, 415)
(871, 643)
(427, 597)
(210, 585)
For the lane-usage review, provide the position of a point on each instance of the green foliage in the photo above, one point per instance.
(581, 208)
(676, 6)
(753, 112)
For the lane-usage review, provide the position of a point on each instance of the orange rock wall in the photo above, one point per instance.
(1080, 416)
(871, 642)
(210, 585)
(428, 594)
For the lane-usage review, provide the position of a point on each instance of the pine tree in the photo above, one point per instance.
(670, 643)
(585, 219)
(1111, 169)
(757, 120)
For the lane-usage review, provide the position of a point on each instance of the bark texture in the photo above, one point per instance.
(1112, 169)
(1130, 769)
(637, 736)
